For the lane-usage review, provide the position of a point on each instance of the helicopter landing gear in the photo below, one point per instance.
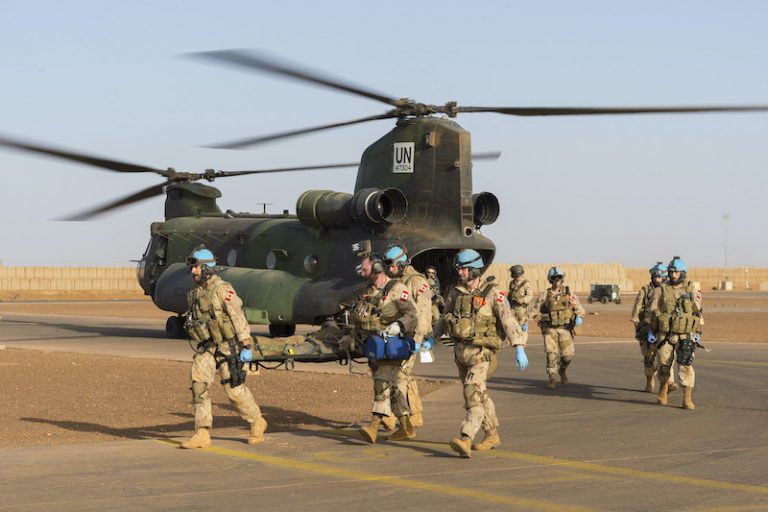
(174, 327)
(282, 330)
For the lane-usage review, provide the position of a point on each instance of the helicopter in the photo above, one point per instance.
(413, 187)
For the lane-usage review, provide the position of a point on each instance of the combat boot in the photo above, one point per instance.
(370, 432)
(687, 398)
(552, 384)
(662, 398)
(489, 442)
(406, 430)
(649, 384)
(389, 423)
(563, 376)
(201, 439)
(462, 446)
(257, 431)
(672, 386)
(417, 419)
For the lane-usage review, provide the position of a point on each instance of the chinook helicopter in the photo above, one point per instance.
(413, 187)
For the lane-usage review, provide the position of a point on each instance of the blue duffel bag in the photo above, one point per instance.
(392, 348)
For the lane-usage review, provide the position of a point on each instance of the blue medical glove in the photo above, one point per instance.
(246, 355)
(696, 338)
(651, 337)
(427, 344)
(418, 346)
(579, 320)
(524, 326)
(521, 360)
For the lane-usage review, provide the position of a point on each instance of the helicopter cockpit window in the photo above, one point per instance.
(232, 257)
(310, 263)
(271, 260)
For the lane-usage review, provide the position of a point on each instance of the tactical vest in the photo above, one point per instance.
(557, 310)
(473, 320)
(366, 313)
(677, 315)
(517, 293)
(645, 304)
(205, 321)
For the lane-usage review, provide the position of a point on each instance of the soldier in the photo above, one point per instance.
(438, 303)
(520, 296)
(559, 312)
(477, 318)
(398, 267)
(386, 308)
(675, 320)
(648, 350)
(216, 321)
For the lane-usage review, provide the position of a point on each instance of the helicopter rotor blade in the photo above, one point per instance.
(252, 141)
(597, 111)
(154, 190)
(102, 163)
(225, 174)
(253, 60)
(491, 155)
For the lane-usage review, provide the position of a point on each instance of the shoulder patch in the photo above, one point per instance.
(500, 297)
(698, 294)
(423, 287)
(229, 295)
(404, 296)
(574, 298)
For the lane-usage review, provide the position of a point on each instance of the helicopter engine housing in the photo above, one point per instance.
(486, 207)
(370, 207)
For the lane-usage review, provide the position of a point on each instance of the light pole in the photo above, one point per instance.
(726, 216)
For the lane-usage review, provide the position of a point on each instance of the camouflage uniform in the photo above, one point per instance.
(478, 321)
(376, 309)
(648, 350)
(422, 294)
(437, 298)
(520, 296)
(556, 312)
(216, 305)
(675, 316)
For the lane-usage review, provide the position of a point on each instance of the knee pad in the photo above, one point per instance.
(649, 361)
(565, 361)
(664, 370)
(685, 350)
(198, 392)
(380, 388)
(471, 396)
(551, 360)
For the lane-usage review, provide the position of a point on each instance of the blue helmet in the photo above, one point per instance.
(468, 258)
(201, 256)
(677, 265)
(553, 273)
(658, 270)
(396, 255)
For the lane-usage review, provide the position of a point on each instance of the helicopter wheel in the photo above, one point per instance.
(174, 327)
(282, 330)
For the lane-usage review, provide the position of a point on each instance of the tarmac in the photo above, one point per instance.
(597, 444)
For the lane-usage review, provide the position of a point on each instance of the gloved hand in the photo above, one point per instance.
(521, 360)
(651, 338)
(393, 329)
(346, 343)
(524, 326)
(246, 355)
(426, 344)
(579, 320)
(696, 337)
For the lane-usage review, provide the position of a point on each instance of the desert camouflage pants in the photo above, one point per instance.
(558, 346)
(406, 384)
(521, 315)
(203, 373)
(387, 398)
(648, 352)
(666, 358)
(473, 363)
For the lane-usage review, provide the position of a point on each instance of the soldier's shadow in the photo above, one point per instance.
(571, 390)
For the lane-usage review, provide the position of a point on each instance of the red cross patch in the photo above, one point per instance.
(230, 294)
(423, 288)
(500, 297)
(404, 296)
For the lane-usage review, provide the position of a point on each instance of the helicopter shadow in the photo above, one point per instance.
(96, 330)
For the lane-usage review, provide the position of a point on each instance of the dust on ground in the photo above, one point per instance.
(52, 398)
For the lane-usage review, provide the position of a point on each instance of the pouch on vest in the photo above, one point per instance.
(392, 348)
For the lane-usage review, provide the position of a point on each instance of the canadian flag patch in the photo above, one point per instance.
(500, 297)
(423, 288)
(574, 298)
(404, 296)
(230, 294)
(698, 294)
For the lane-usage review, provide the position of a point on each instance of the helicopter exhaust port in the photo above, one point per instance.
(486, 208)
(370, 206)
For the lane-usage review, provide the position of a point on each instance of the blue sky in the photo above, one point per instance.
(105, 78)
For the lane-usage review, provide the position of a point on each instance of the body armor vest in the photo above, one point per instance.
(206, 321)
(473, 320)
(678, 313)
(646, 303)
(517, 293)
(367, 312)
(557, 310)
